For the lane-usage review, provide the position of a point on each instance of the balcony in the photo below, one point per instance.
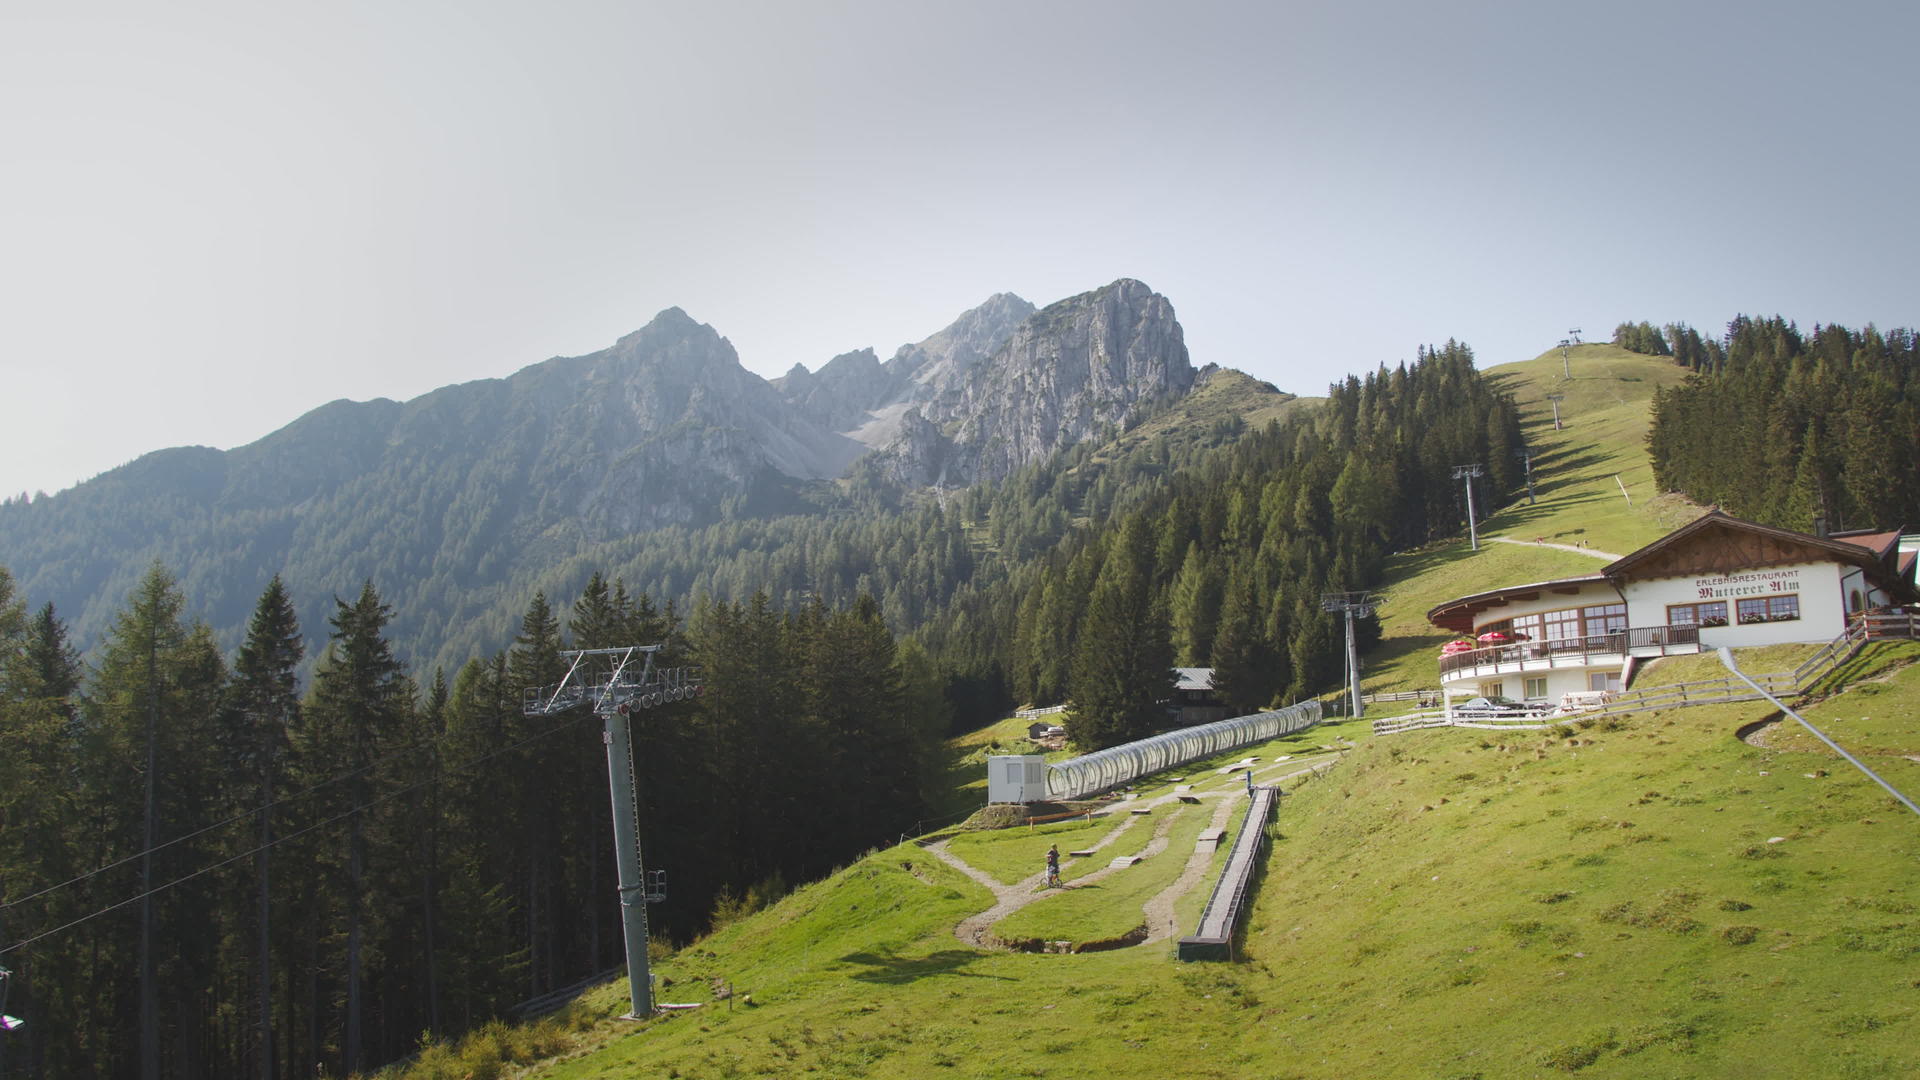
(1598, 650)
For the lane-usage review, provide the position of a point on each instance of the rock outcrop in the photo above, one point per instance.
(1103, 358)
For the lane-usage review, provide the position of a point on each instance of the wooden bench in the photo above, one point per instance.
(1124, 861)
(1184, 793)
(1211, 836)
(1142, 810)
(1083, 853)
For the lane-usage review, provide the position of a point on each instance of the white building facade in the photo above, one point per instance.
(1717, 581)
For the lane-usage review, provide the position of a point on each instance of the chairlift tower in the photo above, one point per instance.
(1556, 399)
(616, 683)
(1467, 473)
(1566, 368)
(1353, 605)
(1525, 454)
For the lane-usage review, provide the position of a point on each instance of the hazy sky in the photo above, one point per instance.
(214, 217)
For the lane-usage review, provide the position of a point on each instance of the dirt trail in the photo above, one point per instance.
(1575, 548)
(1011, 898)
(1159, 911)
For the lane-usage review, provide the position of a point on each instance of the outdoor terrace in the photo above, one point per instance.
(1594, 650)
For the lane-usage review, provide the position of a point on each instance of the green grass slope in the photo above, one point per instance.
(1579, 475)
(1640, 897)
(1649, 896)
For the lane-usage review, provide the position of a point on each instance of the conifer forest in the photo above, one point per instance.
(297, 855)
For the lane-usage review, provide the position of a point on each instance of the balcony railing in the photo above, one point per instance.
(1575, 651)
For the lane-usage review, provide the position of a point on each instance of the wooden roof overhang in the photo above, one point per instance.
(1717, 543)
(1711, 545)
(1459, 615)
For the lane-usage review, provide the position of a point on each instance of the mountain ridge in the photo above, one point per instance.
(452, 489)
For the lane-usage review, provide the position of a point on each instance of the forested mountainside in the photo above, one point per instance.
(1794, 429)
(1223, 565)
(431, 856)
(454, 499)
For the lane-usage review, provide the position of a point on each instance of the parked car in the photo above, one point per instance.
(1496, 707)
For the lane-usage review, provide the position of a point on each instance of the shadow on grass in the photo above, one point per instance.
(1394, 649)
(891, 968)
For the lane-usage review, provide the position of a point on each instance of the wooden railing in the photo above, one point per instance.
(1573, 651)
(1401, 695)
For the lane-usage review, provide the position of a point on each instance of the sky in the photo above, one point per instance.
(217, 216)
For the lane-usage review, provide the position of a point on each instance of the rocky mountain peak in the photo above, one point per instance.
(1105, 357)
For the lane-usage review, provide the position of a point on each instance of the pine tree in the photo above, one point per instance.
(265, 698)
(1243, 661)
(1123, 667)
(360, 700)
(1195, 601)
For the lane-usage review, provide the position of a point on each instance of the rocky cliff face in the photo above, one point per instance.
(449, 492)
(1103, 357)
(841, 394)
(856, 395)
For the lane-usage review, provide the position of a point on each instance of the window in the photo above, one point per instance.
(1604, 680)
(1530, 625)
(1769, 609)
(1605, 619)
(1714, 614)
(1536, 689)
(1493, 689)
(1563, 624)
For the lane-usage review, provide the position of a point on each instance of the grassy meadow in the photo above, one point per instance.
(1627, 897)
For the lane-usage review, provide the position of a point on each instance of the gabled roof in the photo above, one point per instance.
(1877, 542)
(1458, 615)
(1719, 543)
(1714, 543)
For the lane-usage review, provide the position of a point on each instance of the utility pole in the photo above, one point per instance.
(1467, 473)
(1556, 399)
(1525, 454)
(605, 679)
(1353, 605)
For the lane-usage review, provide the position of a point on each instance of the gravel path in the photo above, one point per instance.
(1159, 911)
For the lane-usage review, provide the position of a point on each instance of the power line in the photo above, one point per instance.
(274, 805)
(255, 850)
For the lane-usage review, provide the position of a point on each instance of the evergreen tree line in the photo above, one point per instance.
(194, 854)
(1793, 429)
(913, 559)
(1678, 340)
(353, 866)
(1224, 565)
